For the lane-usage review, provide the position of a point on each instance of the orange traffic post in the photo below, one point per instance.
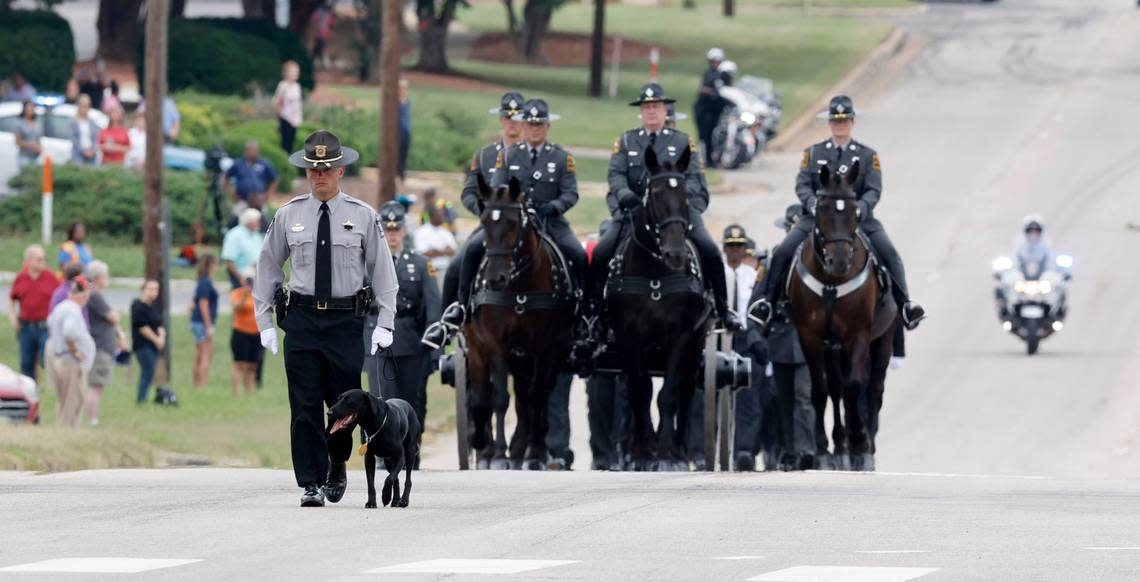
(654, 61)
(45, 226)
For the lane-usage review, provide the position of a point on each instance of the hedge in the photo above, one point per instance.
(288, 44)
(214, 59)
(39, 45)
(108, 200)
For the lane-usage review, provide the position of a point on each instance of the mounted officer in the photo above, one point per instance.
(838, 153)
(482, 164)
(628, 180)
(341, 265)
(402, 371)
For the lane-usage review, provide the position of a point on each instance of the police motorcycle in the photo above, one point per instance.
(745, 124)
(1032, 296)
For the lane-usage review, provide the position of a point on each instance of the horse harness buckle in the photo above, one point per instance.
(322, 305)
(520, 304)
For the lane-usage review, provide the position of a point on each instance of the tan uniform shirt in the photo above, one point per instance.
(360, 255)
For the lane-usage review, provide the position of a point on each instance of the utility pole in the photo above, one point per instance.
(597, 49)
(391, 40)
(154, 219)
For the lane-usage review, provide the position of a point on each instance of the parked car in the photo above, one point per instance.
(55, 123)
(19, 401)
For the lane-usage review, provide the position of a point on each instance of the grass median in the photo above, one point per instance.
(209, 425)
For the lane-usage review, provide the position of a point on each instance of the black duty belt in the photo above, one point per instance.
(333, 304)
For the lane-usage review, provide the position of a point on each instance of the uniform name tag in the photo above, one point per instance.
(633, 154)
(514, 167)
(297, 227)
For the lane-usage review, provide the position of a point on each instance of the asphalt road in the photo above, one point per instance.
(993, 465)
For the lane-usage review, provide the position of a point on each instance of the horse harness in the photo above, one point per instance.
(521, 302)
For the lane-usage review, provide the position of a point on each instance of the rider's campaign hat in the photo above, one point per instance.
(323, 151)
(791, 216)
(510, 105)
(840, 108)
(671, 113)
(652, 93)
(734, 234)
(392, 215)
(536, 111)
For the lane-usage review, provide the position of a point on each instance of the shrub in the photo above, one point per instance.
(38, 44)
(289, 46)
(108, 200)
(216, 60)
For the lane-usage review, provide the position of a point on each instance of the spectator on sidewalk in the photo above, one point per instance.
(203, 316)
(74, 250)
(32, 290)
(287, 103)
(70, 272)
(108, 335)
(19, 89)
(432, 199)
(405, 129)
(148, 336)
(321, 23)
(242, 245)
(250, 181)
(245, 341)
(137, 136)
(71, 352)
(115, 140)
(171, 119)
(91, 85)
(434, 241)
(84, 133)
(111, 101)
(28, 136)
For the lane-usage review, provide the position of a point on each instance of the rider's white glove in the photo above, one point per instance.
(269, 339)
(381, 338)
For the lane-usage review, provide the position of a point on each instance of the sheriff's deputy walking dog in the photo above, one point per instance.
(390, 430)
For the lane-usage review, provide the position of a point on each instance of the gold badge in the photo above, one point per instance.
(570, 165)
(320, 150)
(804, 162)
(875, 163)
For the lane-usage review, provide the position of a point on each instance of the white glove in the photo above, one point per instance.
(768, 371)
(381, 338)
(269, 339)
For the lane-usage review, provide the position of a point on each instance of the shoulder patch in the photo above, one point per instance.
(431, 270)
(617, 146)
(875, 163)
(804, 161)
(474, 167)
(692, 146)
(570, 165)
(499, 160)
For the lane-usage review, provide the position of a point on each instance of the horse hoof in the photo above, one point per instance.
(499, 465)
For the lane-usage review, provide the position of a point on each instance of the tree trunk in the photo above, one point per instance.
(390, 47)
(512, 19)
(119, 28)
(177, 9)
(258, 8)
(300, 11)
(597, 49)
(433, 48)
(536, 21)
(154, 81)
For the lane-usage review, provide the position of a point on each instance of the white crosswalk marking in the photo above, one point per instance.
(98, 565)
(470, 566)
(842, 574)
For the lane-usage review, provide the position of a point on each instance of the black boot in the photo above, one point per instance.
(761, 312)
(439, 334)
(336, 483)
(313, 496)
(912, 314)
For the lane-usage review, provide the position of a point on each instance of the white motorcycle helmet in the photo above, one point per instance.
(1033, 222)
(727, 68)
(715, 54)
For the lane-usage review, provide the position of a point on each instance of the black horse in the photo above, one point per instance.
(521, 325)
(659, 312)
(846, 323)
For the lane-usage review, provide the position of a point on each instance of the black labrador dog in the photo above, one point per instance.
(391, 431)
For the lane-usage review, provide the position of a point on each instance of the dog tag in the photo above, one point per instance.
(363, 450)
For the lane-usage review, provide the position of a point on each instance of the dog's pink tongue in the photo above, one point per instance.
(342, 423)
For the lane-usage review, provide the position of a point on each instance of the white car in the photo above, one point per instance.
(55, 124)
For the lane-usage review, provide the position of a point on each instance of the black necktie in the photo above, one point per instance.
(324, 256)
(652, 139)
(533, 155)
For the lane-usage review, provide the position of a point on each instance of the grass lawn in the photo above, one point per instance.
(251, 431)
(124, 259)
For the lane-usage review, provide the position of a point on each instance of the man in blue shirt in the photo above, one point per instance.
(250, 180)
(242, 245)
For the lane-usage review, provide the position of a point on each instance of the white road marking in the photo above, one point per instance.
(98, 565)
(952, 475)
(892, 551)
(739, 558)
(1113, 548)
(842, 574)
(470, 566)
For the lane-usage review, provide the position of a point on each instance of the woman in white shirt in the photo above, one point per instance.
(287, 103)
(137, 133)
(71, 351)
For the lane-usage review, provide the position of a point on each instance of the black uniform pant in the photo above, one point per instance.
(712, 263)
(557, 229)
(323, 359)
(883, 247)
(558, 415)
(797, 414)
(607, 403)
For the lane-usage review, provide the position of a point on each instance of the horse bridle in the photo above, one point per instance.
(822, 241)
(651, 223)
(517, 267)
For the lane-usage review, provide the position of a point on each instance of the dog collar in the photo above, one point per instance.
(363, 450)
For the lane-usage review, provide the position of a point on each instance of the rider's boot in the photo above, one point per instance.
(912, 314)
(439, 334)
(587, 335)
(761, 312)
(726, 318)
